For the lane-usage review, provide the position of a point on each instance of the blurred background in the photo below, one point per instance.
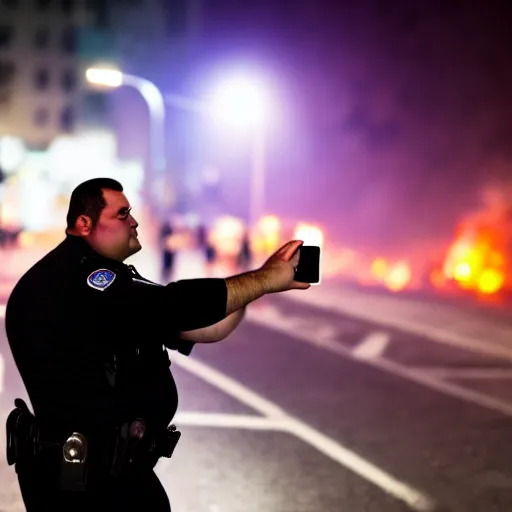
(383, 125)
(380, 130)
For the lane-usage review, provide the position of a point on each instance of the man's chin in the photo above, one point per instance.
(135, 246)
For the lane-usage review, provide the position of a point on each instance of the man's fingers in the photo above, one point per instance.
(301, 286)
(296, 258)
(289, 249)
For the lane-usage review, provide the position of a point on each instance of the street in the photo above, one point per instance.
(363, 147)
(304, 409)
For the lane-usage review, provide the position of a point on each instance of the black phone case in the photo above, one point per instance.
(308, 269)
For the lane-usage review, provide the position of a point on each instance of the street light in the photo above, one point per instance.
(241, 102)
(114, 78)
(238, 101)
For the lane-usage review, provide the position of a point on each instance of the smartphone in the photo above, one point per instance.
(308, 269)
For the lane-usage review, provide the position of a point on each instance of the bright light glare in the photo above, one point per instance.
(104, 76)
(269, 225)
(241, 102)
(267, 234)
(226, 235)
(12, 153)
(398, 277)
(462, 271)
(379, 268)
(491, 281)
(310, 234)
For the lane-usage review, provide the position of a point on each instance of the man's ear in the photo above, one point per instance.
(83, 225)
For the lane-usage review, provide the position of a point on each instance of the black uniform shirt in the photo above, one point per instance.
(78, 323)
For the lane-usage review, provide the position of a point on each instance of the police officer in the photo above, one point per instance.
(89, 337)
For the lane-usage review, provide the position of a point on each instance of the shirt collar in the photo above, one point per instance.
(80, 246)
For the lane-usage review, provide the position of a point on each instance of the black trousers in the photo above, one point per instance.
(40, 489)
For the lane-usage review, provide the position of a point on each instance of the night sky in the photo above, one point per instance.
(398, 111)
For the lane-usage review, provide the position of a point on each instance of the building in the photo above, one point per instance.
(45, 46)
(40, 88)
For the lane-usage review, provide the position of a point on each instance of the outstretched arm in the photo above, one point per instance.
(276, 275)
(215, 332)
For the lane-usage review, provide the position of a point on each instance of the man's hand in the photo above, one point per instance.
(276, 275)
(278, 272)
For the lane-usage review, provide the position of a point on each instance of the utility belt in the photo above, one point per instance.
(125, 448)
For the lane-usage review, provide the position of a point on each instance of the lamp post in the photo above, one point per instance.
(114, 78)
(242, 102)
(238, 101)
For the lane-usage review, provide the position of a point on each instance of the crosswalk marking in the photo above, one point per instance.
(372, 346)
(465, 373)
(273, 318)
(280, 419)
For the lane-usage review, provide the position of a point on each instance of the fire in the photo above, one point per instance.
(490, 281)
(437, 278)
(398, 277)
(462, 272)
(379, 268)
(394, 276)
(475, 261)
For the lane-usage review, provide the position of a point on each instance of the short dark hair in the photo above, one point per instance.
(87, 199)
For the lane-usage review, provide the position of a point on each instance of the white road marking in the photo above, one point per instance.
(2, 310)
(326, 332)
(331, 302)
(465, 373)
(415, 499)
(2, 372)
(228, 385)
(373, 346)
(329, 447)
(281, 324)
(200, 419)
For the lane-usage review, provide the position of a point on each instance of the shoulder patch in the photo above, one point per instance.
(101, 279)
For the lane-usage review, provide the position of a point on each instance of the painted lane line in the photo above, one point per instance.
(327, 301)
(282, 325)
(372, 347)
(415, 499)
(229, 386)
(334, 450)
(465, 373)
(242, 421)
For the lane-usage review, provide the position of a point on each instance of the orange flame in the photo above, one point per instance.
(475, 262)
(398, 277)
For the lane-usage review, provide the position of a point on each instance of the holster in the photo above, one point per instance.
(137, 446)
(24, 443)
(132, 447)
(22, 435)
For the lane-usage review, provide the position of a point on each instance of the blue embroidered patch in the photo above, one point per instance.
(101, 279)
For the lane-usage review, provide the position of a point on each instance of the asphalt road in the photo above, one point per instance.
(303, 410)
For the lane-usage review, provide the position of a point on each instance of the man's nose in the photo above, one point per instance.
(133, 222)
